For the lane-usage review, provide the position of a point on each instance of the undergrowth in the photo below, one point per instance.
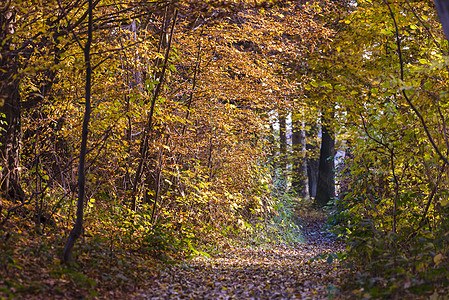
(117, 251)
(282, 225)
(392, 255)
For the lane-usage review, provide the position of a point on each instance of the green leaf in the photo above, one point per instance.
(314, 84)
(427, 85)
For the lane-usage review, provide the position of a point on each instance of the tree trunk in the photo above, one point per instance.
(312, 157)
(299, 165)
(326, 177)
(442, 7)
(78, 227)
(273, 152)
(10, 116)
(282, 152)
(149, 129)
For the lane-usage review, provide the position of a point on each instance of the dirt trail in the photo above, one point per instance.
(275, 272)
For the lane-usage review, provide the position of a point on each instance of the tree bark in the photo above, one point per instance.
(282, 151)
(299, 165)
(326, 173)
(78, 227)
(10, 113)
(312, 156)
(442, 7)
(273, 152)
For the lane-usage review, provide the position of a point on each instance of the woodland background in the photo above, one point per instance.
(136, 132)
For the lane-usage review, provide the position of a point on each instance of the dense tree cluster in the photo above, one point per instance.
(386, 74)
(164, 128)
(145, 119)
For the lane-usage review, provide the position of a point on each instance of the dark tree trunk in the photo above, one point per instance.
(282, 151)
(10, 131)
(299, 166)
(326, 177)
(273, 152)
(313, 150)
(78, 227)
(442, 7)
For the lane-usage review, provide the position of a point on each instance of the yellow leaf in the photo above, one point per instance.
(437, 258)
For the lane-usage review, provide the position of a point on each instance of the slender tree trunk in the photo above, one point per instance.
(326, 177)
(299, 165)
(145, 142)
(195, 74)
(133, 79)
(157, 184)
(78, 227)
(283, 151)
(273, 152)
(10, 114)
(312, 156)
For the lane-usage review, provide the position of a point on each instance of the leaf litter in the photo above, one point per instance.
(277, 271)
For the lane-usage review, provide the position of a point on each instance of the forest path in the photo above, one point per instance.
(273, 272)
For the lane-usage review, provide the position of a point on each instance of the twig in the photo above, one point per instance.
(418, 114)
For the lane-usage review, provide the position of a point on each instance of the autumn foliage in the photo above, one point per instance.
(161, 130)
(178, 140)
